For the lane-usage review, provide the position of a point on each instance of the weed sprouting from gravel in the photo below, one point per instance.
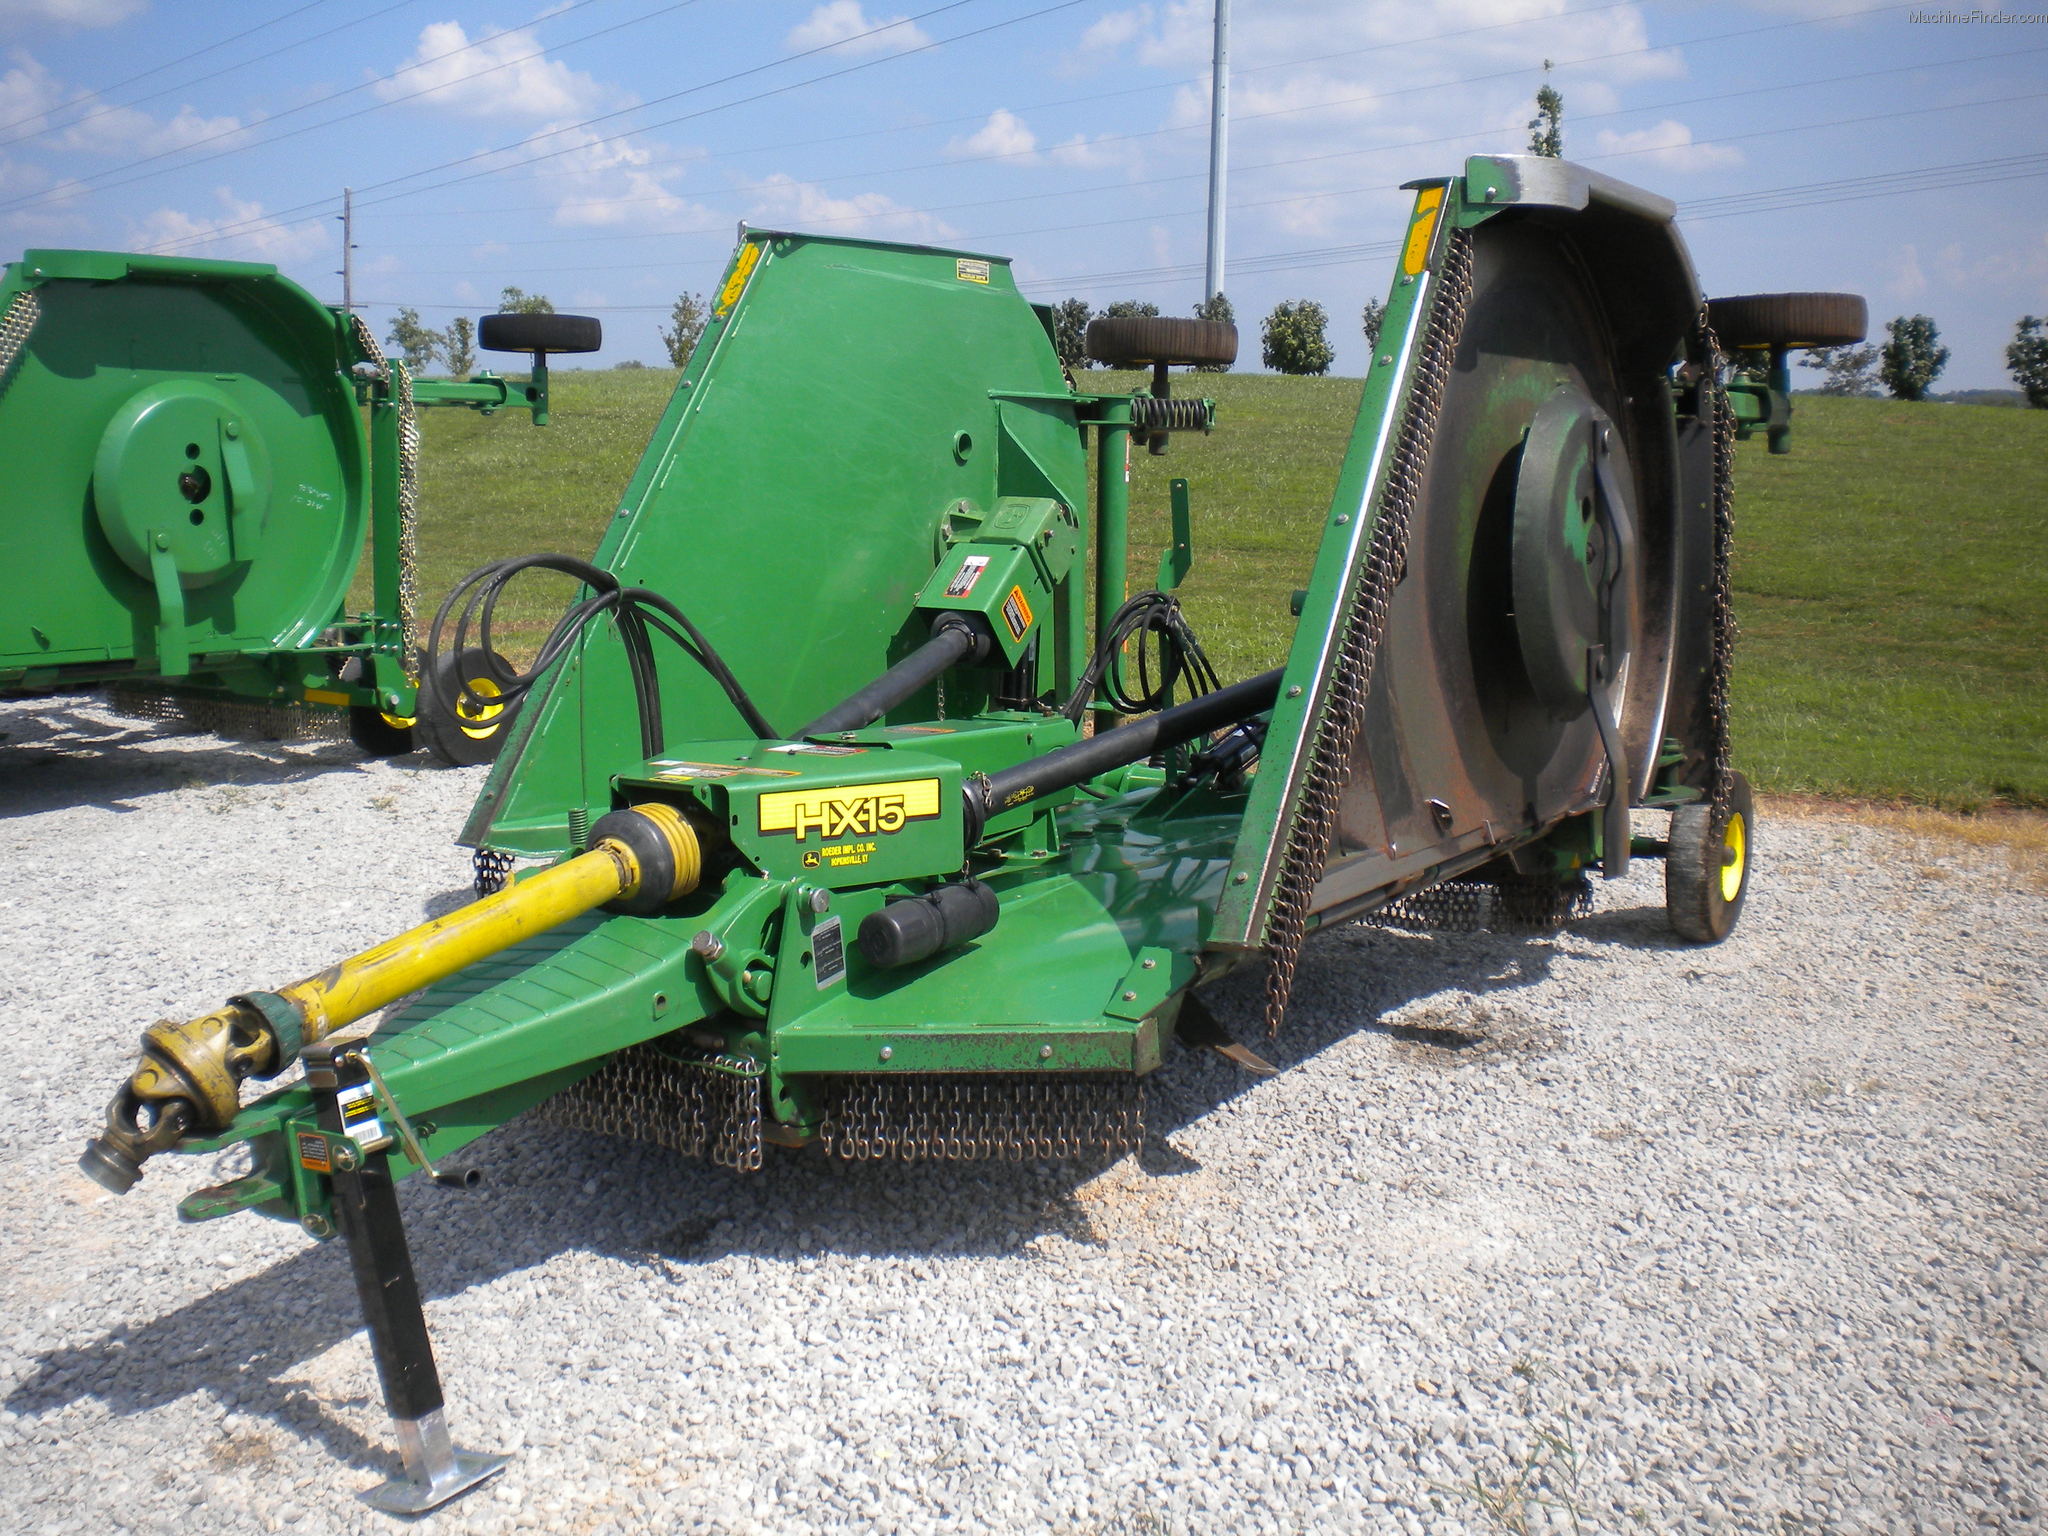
(1539, 1490)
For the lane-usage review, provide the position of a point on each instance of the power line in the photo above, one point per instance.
(608, 116)
(1159, 181)
(228, 230)
(228, 133)
(228, 69)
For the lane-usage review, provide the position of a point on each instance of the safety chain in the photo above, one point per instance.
(1351, 672)
(971, 1117)
(698, 1103)
(1720, 747)
(228, 718)
(491, 868)
(1515, 902)
(408, 494)
(23, 310)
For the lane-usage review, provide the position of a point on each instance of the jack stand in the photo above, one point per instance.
(366, 1210)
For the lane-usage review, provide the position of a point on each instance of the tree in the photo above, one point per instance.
(1546, 128)
(1215, 307)
(686, 324)
(1370, 319)
(414, 342)
(1129, 307)
(517, 301)
(1850, 370)
(2027, 360)
(1294, 337)
(1070, 319)
(458, 346)
(1912, 357)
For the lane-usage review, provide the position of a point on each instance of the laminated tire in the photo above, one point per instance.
(1706, 876)
(1126, 341)
(377, 734)
(454, 730)
(1789, 320)
(539, 333)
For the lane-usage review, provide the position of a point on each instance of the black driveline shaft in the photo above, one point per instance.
(953, 642)
(1113, 749)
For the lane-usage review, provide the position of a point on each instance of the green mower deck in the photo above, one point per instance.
(845, 823)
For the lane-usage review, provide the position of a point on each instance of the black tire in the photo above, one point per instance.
(1128, 341)
(1703, 890)
(449, 727)
(1789, 320)
(539, 333)
(376, 734)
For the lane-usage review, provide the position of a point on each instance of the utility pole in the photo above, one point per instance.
(348, 247)
(1219, 146)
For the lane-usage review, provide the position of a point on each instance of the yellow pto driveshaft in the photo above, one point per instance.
(190, 1077)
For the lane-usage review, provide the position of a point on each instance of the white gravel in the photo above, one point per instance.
(1743, 1239)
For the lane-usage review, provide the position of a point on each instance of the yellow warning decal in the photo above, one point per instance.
(1016, 613)
(1429, 207)
(970, 271)
(856, 810)
(742, 269)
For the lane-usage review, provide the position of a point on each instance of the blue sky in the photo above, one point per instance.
(602, 151)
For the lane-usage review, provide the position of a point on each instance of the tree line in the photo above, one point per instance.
(1911, 357)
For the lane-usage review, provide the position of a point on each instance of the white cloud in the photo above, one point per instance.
(1004, 133)
(1668, 146)
(501, 74)
(126, 131)
(1079, 154)
(783, 200)
(1908, 281)
(68, 13)
(604, 184)
(256, 235)
(1111, 33)
(28, 93)
(843, 22)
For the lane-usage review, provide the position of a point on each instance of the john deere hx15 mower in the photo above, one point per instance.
(190, 486)
(857, 832)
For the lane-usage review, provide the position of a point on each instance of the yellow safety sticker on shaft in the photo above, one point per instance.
(1429, 206)
(742, 269)
(858, 810)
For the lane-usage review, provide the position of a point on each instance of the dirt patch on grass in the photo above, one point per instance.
(2018, 838)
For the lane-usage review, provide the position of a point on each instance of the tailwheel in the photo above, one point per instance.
(1706, 873)
(460, 721)
(377, 734)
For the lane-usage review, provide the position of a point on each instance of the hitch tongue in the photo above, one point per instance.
(190, 1077)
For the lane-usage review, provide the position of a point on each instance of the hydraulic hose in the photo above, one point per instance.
(1130, 743)
(953, 641)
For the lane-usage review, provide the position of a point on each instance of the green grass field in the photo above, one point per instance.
(1891, 573)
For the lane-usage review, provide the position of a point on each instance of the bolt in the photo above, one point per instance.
(316, 1225)
(1294, 692)
(1343, 518)
(821, 901)
(1239, 879)
(1492, 193)
(888, 1051)
(1151, 965)
(708, 944)
(1045, 1053)
(346, 1158)
(231, 428)
(1130, 997)
(1386, 362)
(1408, 280)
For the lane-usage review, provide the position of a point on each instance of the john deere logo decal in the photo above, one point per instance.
(854, 810)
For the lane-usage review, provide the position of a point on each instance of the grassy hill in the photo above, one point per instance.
(1891, 573)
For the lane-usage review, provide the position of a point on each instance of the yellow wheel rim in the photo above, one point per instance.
(1735, 842)
(397, 722)
(479, 721)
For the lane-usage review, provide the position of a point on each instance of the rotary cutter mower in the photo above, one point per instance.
(191, 488)
(856, 832)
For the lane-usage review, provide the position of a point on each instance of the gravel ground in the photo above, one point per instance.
(1742, 1239)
